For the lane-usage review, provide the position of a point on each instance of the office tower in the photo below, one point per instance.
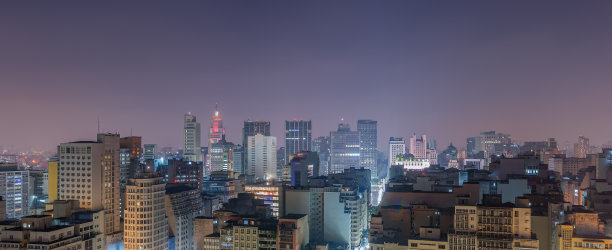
(221, 156)
(344, 148)
(38, 190)
(182, 206)
(150, 152)
(188, 173)
(491, 143)
(432, 156)
(133, 144)
(368, 145)
(52, 169)
(89, 172)
(252, 128)
(238, 159)
(130, 152)
(303, 165)
(397, 146)
(581, 148)
(320, 145)
(251, 233)
(298, 137)
(262, 157)
(418, 146)
(14, 187)
(191, 149)
(471, 146)
(216, 131)
(145, 223)
(293, 232)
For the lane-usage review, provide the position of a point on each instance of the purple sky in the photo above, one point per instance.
(449, 69)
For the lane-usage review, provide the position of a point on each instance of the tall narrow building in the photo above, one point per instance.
(89, 173)
(344, 149)
(397, 146)
(368, 146)
(251, 128)
(581, 148)
(262, 157)
(418, 146)
(192, 139)
(145, 224)
(298, 137)
(216, 131)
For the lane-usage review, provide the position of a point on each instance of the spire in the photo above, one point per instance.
(216, 109)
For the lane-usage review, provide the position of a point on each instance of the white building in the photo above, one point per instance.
(397, 146)
(89, 172)
(145, 223)
(14, 185)
(191, 139)
(261, 161)
(418, 146)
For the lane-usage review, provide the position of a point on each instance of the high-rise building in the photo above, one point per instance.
(188, 173)
(368, 146)
(145, 223)
(182, 206)
(38, 190)
(216, 131)
(298, 137)
(418, 147)
(150, 152)
(320, 145)
(130, 152)
(397, 146)
(491, 143)
(344, 149)
(89, 172)
(328, 218)
(192, 136)
(52, 169)
(303, 165)
(14, 187)
(262, 157)
(252, 128)
(581, 148)
(238, 159)
(221, 156)
(272, 195)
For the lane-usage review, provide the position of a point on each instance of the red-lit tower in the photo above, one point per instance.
(216, 132)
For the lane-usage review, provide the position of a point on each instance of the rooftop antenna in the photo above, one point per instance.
(98, 124)
(130, 132)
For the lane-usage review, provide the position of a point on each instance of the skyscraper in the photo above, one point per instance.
(581, 148)
(145, 224)
(89, 173)
(262, 157)
(252, 128)
(221, 156)
(344, 149)
(182, 206)
(298, 137)
(14, 185)
(321, 146)
(192, 139)
(397, 146)
(368, 146)
(150, 151)
(418, 146)
(216, 132)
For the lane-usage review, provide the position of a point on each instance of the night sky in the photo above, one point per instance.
(534, 69)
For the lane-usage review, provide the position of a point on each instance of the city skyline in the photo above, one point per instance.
(450, 74)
